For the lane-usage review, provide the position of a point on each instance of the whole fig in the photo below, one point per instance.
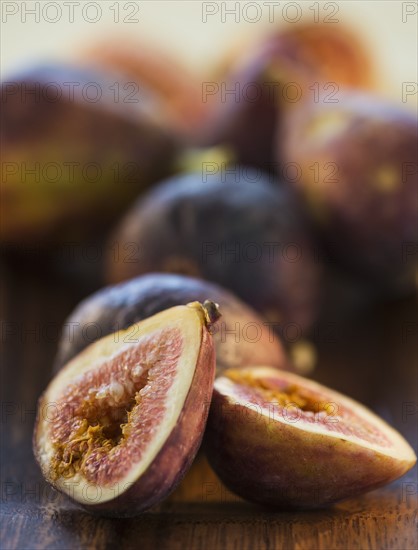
(241, 336)
(358, 174)
(235, 228)
(75, 152)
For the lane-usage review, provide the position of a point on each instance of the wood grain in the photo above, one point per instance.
(372, 360)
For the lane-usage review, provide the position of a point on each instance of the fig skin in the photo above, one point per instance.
(176, 455)
(363, 197)
(275, 76)
(331, 53)
(190, 226)
(124, 144)
(279, 464)
(118, 307)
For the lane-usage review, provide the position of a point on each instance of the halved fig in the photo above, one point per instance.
(119, 426)
(279, 439)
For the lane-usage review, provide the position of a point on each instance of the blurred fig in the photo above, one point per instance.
(75, 152)
(176, 87)
(331, 51)
(235, 228)
(358, 174)
(253, 91)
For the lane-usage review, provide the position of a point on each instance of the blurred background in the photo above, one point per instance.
(388, 29)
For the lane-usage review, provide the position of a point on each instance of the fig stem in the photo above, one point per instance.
(210, 311)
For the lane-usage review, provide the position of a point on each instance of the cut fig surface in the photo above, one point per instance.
(277, 438)
(118, 426)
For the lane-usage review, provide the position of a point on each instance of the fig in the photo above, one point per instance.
(260, 83)
(236, 228)
(176, 87)
(331, 52)
(241, 337)
(119, 426)
(278, 439)
(358, 160)
(76, 151)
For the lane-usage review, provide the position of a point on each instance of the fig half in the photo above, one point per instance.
(119, 426)
(276, 438)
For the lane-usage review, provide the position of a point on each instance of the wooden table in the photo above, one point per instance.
(373, 358)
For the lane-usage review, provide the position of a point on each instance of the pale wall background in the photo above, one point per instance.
(178, 26)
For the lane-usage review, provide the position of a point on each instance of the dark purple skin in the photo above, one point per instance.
(187, 225)
(126, 141)
(118, 307)
(246, 128)
(177, 454)
(251, 100)
(368, 228)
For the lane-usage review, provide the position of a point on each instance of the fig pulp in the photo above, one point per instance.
(241, 337)
(238, 228)
(119, 426)
(279, 439)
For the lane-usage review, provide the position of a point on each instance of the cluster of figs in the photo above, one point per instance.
(123, 419)
(236, 202)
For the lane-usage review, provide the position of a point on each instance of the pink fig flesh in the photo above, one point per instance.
(119, 426)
